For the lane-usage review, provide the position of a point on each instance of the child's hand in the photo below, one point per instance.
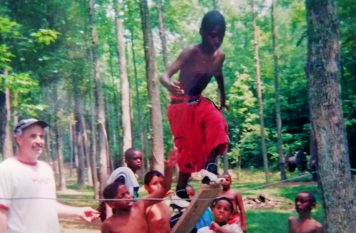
(175, 89)
(214, 226)
(171, 161)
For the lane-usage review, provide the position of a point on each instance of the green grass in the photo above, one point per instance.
(251, 183)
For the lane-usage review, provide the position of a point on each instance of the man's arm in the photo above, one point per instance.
(86, 213)
(3, 220)
(173, 87)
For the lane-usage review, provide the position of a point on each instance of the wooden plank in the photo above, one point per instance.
(203, 199)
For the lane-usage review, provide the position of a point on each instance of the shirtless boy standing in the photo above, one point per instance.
(198, 126)
(304, 223)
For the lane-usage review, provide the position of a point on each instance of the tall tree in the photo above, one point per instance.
(61, 182)
(7, 145)
(323, 71)
(140, 126)
(124, 82)
(153, 89)
(259, 92)
(2, 120)
(79, 138)
(99, 101)
(277, 95)
(162, 33)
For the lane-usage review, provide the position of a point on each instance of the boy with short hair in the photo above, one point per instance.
(129, 215)
(222, 209)
(304, 223)
(197, 125)
(127, 176)
(158, 215)
(239, 214)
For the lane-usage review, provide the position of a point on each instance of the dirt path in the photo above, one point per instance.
(78, 226)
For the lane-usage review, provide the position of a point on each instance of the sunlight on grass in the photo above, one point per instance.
(251, 184)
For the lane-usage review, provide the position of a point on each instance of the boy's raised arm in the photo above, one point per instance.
(169, 163)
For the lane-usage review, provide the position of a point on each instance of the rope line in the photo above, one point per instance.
(151, 199)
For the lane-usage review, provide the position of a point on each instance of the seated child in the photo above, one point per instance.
(129, 215)
(304, 223)
(222, 208)
(157, 215)
(126, 175)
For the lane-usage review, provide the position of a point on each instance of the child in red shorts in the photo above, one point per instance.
(198, 126)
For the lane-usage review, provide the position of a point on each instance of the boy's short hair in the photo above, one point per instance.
(149, 175)
(225, 199)
(129, 152)
(312, 198)
(110, 190)
(213, 19)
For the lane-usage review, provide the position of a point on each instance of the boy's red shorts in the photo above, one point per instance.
(197, 128)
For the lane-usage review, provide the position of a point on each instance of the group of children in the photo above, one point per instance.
(152, 213)
(200, 135)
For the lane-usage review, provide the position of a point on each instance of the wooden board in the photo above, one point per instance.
(204, 197)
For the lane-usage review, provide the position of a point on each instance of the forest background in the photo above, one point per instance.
(91, 69)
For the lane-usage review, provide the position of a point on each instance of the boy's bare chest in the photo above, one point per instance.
(130, 224)
(303, 227)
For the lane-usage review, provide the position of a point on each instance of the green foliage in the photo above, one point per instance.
(5, 57)
(51, 42)
(8, 28)
(45, 36)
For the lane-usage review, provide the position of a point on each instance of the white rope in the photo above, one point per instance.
(150, 199)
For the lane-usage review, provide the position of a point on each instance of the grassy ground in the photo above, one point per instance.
(250, 183)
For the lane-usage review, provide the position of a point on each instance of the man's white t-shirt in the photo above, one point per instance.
(28, 193)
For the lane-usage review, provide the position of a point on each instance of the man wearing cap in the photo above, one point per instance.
(27, 187)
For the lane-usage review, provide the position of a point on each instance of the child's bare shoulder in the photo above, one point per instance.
(316, 223)
(292, 219)
(106, 226)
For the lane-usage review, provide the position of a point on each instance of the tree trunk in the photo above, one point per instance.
(323, 71)
(89, 168)
(7, 146)
(124, 82)
(79, 140)
(141, 129)
(61, 182)
(259, 93)
(99, 102)
(2, 121)
(162, 33)
(276, 97)
(153, 90)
